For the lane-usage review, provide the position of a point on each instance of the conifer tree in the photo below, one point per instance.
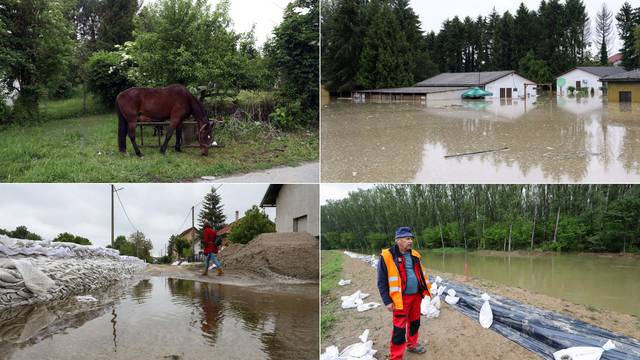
(211, 211)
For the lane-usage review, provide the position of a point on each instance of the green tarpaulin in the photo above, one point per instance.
(475, 93)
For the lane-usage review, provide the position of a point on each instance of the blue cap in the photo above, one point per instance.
(404, 231)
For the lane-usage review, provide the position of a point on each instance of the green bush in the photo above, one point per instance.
(107, 75)
(253, 223)
(285, 117)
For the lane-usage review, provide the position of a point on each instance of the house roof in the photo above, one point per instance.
(600, 71)
(188, 230)
(269, 198)
(226, 229)
(465, 78)
(615, 58)
(627, 76)
(414, 90)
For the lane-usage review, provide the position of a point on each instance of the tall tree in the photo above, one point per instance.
(212, 211)
(604, 28)
(35, 48)
(627, 20)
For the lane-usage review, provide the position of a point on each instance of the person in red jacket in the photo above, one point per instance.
(210, 249)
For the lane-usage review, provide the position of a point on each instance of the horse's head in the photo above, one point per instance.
(205, 137)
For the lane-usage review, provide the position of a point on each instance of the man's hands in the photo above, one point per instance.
(390, 307)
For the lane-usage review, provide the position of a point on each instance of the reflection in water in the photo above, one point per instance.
(174, 318)
(549, 140)
(608, 283)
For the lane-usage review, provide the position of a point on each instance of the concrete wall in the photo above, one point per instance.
(295, 201)
(587, 80)
(513, 81)
(614, 89)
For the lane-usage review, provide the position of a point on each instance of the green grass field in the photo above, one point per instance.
(84, 149)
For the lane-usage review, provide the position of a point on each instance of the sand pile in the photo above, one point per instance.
(275, 254)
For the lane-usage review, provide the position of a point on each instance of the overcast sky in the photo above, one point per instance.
(432, 14)
(339, 191)
(158, 210)
(266, 14)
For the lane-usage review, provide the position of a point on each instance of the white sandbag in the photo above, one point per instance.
(86, 298)
(367, 306)
(35, 280)
(344, 282)
(441, 290)
(353, 300)
(427, 308)
(330, 353)
(438, 279)
(434, 288)
(583, 352)
(451, 298)
(486, 315)
(436, 302)
(362, 350)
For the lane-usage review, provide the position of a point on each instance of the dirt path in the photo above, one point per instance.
(306, 173)
(451, 336)
(194, 272)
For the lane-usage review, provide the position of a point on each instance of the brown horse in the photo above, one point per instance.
(174, 103)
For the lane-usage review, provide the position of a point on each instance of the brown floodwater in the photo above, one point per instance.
(603, 282)
(165, 318)
(548, 140)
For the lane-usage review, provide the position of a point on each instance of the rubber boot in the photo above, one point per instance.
(219, 270)
(205, 272)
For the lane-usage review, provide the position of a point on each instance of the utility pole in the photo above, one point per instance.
(113, 191)
(192, 217)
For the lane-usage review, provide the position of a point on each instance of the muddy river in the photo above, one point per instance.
(540, 140)
(600, 282)
(165, 318)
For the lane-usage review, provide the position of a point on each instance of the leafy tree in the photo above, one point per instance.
(35, 46)
(295, 59)
(21, 232)
(141, 246)
(534, 69)
(182, 247)
(106, 74)
(186, 42)
(68, 237)
(253, 223)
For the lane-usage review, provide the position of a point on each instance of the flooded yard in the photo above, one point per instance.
(538, 140)
(601, 282)
(166, 318)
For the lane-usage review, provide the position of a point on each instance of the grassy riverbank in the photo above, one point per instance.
(331, 262)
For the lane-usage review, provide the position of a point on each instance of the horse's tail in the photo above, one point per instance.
(123, 129)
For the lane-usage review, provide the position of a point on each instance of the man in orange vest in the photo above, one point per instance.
(402, 282)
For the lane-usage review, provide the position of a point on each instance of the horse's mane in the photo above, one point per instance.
(196, 104)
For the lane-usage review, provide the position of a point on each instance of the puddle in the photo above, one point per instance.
(548, 140)
(165, 318)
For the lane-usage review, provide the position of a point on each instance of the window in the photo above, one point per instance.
(625, 96)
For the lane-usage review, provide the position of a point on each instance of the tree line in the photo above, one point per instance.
(50, 47)
(598, 218)
(379, 43)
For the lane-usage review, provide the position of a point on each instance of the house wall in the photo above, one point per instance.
(513, 81)
(294, 201)
(614, 89)
(586, 79)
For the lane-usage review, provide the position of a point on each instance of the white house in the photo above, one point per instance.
(296, 207)
(585, 77)
(505, 84)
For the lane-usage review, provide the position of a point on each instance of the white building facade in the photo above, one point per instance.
(585, 77)
(511, 86)
(297, 207)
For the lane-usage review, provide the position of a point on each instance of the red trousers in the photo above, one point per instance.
(406, 323)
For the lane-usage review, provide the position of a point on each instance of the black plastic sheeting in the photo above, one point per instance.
(543, 332)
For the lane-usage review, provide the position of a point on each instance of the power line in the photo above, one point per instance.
(125, 212)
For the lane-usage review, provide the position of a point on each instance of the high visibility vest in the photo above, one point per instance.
(395, 281)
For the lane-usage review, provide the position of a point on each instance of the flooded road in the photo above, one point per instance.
(546, 140)
(165, 318)
(602, 282)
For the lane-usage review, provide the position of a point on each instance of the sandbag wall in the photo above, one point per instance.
(37, 271)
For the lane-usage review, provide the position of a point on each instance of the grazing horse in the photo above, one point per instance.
(174, 103)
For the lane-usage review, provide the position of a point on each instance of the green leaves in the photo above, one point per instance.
(253, 223)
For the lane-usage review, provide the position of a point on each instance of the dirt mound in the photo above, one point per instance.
(286, 254)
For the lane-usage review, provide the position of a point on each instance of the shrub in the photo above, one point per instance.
(107, 75)
(253, 223)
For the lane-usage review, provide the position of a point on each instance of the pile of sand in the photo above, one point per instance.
(286, 254)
